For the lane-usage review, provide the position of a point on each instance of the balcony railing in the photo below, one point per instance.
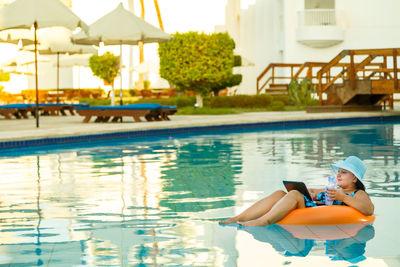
(317, 17)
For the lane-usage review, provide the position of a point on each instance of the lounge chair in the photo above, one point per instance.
(150, 111)
(61, 108)
(17, 110)
(8, 112)
(164, 113)
(20, 110)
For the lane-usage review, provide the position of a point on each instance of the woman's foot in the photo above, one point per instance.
(256, 222)
(229, 221)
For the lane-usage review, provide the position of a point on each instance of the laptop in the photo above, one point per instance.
(301, 187)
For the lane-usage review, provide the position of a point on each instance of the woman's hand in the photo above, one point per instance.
(335, 194)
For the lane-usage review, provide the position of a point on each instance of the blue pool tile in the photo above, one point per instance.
(279, 125)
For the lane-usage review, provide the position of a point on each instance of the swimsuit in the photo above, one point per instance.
(321, 197)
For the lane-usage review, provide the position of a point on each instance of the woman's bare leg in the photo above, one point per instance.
(292, 200)
(258, 209)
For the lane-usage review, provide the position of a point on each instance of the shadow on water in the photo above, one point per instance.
(350, 249)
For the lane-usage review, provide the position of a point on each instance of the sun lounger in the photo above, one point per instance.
(61, 108)
(20, 110)
(162, 113)
(49, 109)
(168, 110)
(150, 111)
(8, 112)
(17, 110)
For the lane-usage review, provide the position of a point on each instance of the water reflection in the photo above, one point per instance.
(38, 249)
(156, 203)
(306, 154)
(203, 175)
(351, 248)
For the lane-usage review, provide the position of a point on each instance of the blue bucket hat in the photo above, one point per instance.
(352, 164)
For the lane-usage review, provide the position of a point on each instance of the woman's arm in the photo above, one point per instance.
(360, 201)
(314, 192)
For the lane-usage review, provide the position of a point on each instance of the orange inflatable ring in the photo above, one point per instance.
(326, 215)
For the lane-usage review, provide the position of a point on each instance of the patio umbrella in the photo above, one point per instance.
(23, 14)
(24, 58)
(15, 69)
(56, 41)
(16, 37)
(119, 27)
(79, 60)
(75, 60)
(21, 64)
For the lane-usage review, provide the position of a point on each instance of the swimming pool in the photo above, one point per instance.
(156, 202)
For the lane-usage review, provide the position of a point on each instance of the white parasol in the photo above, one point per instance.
(25, 14)
(56, 41)
(119, 27)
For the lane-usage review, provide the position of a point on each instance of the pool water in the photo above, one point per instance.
(157, 201)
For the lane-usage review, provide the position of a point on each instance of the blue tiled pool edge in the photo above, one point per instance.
(278, 125)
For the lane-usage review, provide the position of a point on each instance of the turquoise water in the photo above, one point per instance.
(157, 202)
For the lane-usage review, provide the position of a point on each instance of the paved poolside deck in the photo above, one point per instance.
(65, 126)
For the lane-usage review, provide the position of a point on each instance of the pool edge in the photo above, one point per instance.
(284, 124)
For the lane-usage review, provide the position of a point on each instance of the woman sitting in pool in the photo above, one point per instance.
(274, 207)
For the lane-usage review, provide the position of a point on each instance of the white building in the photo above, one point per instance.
(295, 31)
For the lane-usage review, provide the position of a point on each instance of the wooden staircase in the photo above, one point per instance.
(271, 83)
(274, 84)
(362, 81)
(354, 78)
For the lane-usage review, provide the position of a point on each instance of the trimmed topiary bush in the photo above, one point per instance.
(284, 98)
(277, 106)
(198, 61)
(241, 101)
(180, 101)
(106, 66)
(95, 102)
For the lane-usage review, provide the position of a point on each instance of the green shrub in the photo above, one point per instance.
(95, 102)
(205, 111)
(132, 92)
(221, 101)
(277, 106)
(300, 93)
(162, 101)
(197, 61)
(241, 101)
(313, 102)
(185, 101)
(180, 101)
(284, 98)
(106, 66)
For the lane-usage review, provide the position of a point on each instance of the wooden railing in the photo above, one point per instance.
(360, 66)
(297, 71)
(263, 80)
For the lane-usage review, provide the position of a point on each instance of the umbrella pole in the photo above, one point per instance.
(36, 80)
(120, 72)
(58, 75)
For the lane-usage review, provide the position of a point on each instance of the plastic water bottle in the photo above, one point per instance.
(330, 185)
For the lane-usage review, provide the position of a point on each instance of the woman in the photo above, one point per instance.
(273, 208)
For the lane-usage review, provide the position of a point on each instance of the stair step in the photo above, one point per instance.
(278, 85)
(276, 91)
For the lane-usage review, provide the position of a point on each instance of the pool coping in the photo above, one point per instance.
(282, 124)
